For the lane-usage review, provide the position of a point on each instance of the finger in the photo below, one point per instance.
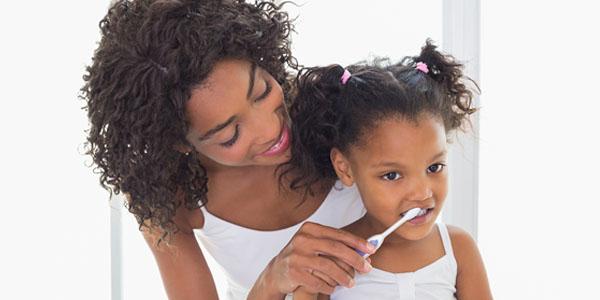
(331, 270)
(342, 252)
(325, 278)
(301, 293)
(340, 235)
(349, 269)
(311, 283)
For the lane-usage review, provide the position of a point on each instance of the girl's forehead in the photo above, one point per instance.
(401, 139)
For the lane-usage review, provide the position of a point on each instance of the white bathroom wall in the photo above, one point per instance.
(54, 216)
(538, 208)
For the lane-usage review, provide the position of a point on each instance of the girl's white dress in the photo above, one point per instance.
(436, 281)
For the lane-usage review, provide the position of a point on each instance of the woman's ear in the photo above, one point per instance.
(184, 149)
(342, 168)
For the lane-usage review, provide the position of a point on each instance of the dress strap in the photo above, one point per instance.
(445, 239)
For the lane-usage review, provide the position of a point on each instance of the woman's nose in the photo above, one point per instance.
(266, 127)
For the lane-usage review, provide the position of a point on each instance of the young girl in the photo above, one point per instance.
(385, 129)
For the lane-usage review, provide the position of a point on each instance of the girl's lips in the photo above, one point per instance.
(421, 219)
(281, 145)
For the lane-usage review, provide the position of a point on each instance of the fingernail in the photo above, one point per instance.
(368, 267)
(351, 283)
(370, 247)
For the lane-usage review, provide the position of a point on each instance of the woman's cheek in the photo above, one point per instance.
(233, 156)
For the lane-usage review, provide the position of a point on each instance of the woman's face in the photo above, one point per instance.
(237, 117)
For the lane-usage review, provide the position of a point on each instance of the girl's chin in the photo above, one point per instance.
(415, 233)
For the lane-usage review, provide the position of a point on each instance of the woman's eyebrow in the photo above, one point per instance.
(252, 75)
(217, 128)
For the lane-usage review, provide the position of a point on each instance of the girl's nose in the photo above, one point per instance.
(419, 190)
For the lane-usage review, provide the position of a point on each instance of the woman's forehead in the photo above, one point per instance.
(221, 96)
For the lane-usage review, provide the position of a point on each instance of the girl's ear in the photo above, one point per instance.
(342, 168)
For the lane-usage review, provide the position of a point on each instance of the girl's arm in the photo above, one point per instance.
(182, 266)
(471, 280)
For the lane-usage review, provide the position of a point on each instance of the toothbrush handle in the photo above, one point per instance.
(365, 255)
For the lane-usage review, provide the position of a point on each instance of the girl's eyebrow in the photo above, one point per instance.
(211, 132)
(437, 156)
(393, 164)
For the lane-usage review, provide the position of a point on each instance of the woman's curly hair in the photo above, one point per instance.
(327, 113)
(152, 53)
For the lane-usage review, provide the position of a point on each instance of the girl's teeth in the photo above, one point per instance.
(422, 212)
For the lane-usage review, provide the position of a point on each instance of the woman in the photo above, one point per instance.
(186, 105)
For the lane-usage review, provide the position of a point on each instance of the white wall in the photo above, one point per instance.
(54, 219)
(345, 32)
(538, 212)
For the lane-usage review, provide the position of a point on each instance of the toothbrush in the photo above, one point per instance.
(377, 239)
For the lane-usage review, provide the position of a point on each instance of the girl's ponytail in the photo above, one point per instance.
(449, 78)
(315, 111)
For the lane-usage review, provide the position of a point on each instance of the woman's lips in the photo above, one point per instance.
(281, 145)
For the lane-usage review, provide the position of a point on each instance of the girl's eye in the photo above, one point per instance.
(268, 88)
(391, 176)
(436, 168)
(233, 139)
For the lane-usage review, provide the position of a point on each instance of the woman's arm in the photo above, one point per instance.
(471, 280)
(317, 258)
(182, 266)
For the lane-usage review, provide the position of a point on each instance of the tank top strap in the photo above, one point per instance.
(212, 223)
(445, 238)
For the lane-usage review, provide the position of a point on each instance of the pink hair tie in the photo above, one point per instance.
(421, 66)
(345, 76)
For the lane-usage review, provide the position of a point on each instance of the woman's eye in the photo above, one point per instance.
(436, 168)
(233, 139)
(391, 176)
(268, 88)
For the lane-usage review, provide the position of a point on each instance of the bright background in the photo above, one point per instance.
(538, 150)
(539, 167)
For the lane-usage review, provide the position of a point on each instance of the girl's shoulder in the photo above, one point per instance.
(460, 235)
(471, 279)
(463, 245)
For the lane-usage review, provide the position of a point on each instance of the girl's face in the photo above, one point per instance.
(237, 117)
(400, 165)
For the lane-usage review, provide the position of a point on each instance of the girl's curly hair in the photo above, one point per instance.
(152, 53)
(327, 113)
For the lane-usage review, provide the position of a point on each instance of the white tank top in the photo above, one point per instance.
(436, 281)
(244, 253)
